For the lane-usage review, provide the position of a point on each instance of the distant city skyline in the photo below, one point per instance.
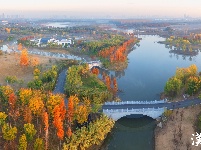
(102, 8)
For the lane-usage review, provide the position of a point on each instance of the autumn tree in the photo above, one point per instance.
(13, 111)
(27, 114)
(95, 71)
(108, 82)
(9, 132)
(22, 142)
(8, 30)
(24, 60)
(115, 87)
(46, 122)
(36, 105)
(58, 123)
(69, 132)
(5, 92)
(19, 47)
(25, 95)
(3, 117)
(35, 61)
(81, 114)
(38, 144)
(82, 111)
(72, 104)
(59, 116)
(52, 101)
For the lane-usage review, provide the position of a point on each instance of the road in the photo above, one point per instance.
(168, 105)
(59, 88)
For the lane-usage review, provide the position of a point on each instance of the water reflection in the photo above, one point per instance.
(9, 49)
(135, 129)
(119, 74)
(184, 53)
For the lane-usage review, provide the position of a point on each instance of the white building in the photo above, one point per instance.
(65, 41)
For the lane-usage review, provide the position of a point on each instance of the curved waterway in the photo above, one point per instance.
(150, 65)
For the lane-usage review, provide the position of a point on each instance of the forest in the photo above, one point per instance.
(36, 118)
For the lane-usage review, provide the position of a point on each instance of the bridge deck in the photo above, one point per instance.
(168, 105)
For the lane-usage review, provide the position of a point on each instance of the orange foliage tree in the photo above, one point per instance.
(19, 46)
(24, 60)
(27, 115)
(108, 82)
(69, 132)
(115, 87)
(70, 109)
(116, 54)
(95, 71)
(8, 30)
(46, 122)
(58, 123)
(13, 111)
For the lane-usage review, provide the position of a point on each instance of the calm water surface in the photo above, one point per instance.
(150, 66)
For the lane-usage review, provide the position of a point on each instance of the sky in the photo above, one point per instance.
(102, 8)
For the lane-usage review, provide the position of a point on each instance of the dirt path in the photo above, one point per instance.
(177, 131)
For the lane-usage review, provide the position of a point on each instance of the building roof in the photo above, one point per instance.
(44, 40)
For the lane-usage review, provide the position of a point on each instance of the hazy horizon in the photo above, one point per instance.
(103, 8)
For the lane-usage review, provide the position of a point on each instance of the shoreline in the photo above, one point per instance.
(176, 131)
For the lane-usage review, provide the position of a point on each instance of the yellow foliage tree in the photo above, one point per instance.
(53, 100)
(34, 61)
(25, 95)
(81, 114)
(36, 105)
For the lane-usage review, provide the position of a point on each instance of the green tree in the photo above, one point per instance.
(29, 131)
(74, 80)
(173, 86)
(193, 85)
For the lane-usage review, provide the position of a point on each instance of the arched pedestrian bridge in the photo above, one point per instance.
(153, 109)
(94, 64)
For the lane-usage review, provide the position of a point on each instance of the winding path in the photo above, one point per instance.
(59, 88)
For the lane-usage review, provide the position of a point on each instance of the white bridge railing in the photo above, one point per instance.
(135, 102)
(94, 64)
(132, 110)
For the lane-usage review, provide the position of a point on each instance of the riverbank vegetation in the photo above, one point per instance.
(187, 45)
(85, 83)
(112, 52)
(185, 81)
